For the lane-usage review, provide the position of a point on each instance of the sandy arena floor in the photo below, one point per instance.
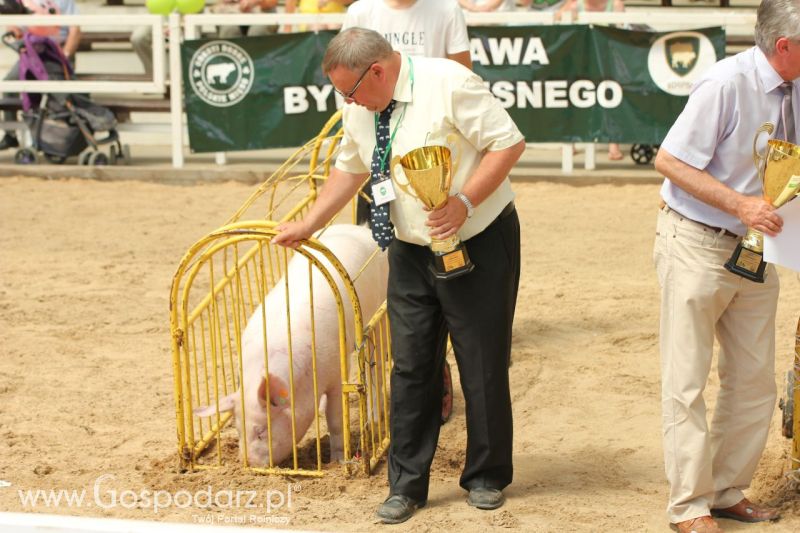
(86, 379)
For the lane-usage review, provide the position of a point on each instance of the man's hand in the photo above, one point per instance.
(291, 234)
(759, 214)
(448, 219)
(754, 212)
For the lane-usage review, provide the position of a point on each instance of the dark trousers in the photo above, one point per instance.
(477, 309)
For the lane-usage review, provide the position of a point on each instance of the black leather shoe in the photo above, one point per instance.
(397, 509)
(485, 498)
(8, 141)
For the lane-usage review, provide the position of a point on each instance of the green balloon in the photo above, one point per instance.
(160, 7)
(188, 7)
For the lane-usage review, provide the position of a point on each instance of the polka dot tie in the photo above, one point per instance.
(382, 228)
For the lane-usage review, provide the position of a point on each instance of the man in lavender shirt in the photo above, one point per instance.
(711, 194)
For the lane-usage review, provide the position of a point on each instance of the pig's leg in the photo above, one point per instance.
(333, 417)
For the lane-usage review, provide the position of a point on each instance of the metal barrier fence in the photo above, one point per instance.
(219, 293)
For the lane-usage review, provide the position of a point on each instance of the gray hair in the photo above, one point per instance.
(355, 49)
(776, 19)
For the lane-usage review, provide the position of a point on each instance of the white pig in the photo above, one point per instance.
(353, 246)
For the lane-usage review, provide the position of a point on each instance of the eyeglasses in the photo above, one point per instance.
(349, 95)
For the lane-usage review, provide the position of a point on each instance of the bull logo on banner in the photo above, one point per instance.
(221, 73)
(682, 54)
(676, 60)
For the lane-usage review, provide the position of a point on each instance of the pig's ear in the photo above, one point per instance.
(225, 404)
(278, 392)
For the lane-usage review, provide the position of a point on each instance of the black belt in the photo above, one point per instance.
(507, 210)
(727, 233)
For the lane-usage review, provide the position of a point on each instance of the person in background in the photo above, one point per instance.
(430, 28)
(542, 5)
(711, 194)
(317, 6)
(142, 44)
(485, 6)
(607, 6)
(245, 6)
(67, 37)
(142, 36)
(579, 6)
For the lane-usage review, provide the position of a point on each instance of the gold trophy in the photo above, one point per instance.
(429, 171)
(779, 171)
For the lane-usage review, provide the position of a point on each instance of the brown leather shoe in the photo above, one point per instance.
(747, 511)
(701, 524)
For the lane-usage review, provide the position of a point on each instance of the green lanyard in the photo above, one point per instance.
(399, 121)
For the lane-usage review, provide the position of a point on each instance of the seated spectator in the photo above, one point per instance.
(317, 6)
(580, 6)
(485, 6)
(67, 37)
(142, 36)
(245, 6)
(542, 5)
(142, 43)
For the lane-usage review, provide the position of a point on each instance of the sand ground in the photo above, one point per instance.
(86, 379)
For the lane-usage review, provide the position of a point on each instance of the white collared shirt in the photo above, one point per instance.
(716, 128)
(447, 98)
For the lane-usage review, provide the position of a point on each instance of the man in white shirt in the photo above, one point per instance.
(431, 101)
(711, 194)
(430, 28)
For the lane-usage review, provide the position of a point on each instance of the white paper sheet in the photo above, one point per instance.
(784, 249)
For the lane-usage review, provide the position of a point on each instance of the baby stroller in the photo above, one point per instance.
(61, 125)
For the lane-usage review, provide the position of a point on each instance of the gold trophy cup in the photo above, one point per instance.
(429, 171)
(779, 171)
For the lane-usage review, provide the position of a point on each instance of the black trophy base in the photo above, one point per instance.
(449, 265)
(747, 263)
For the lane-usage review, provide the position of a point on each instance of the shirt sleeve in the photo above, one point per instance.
(704, 122)
(456, 31)
(478, 115)
(349, 160)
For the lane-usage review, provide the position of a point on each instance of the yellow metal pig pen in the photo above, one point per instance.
(220, 283)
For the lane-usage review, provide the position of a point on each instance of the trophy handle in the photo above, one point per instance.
(758, 159)
(405, 187)
(455, 149)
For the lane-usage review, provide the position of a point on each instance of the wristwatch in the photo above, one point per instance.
(463, 197)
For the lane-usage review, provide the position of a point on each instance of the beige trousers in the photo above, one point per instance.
(708, 467)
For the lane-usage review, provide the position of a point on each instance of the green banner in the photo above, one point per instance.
(568, 83)
(593, 83)
(255, 92)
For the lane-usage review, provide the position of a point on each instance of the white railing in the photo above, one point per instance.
(736, 22)
(155, 22)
